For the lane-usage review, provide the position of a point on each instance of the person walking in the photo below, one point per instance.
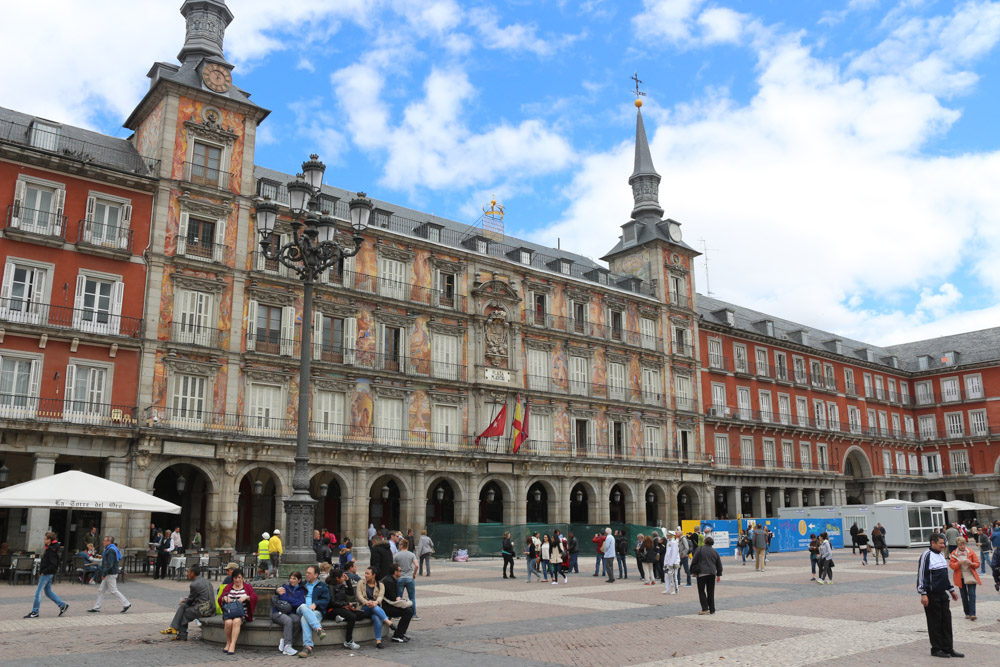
(573, 545)
(47, 571)
(861, 540)
(671, 565)
(531, 556)
(200, 601)
(934, 587)
(813, 554)
(854, 538)
(965, 563)
(878, 544)
(424, 550)
(951, 535)
(110, 567)
(621, 551)
(406, 560)
(648, 553)
(274, 551)
(983, 542)
(825, 559)
(759, 540)
(546, 551)
(264, 554)
(684, 548)
(707, 566)
(555, 558)
(507, 551)
(638, 558)
(609, 555)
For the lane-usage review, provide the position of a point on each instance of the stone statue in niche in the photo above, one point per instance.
(497, 339)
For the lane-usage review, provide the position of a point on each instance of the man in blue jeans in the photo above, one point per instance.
(47, 571)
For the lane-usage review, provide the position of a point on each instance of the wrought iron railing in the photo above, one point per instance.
(28, 408)
(110, 237)
(200, 174)
(193, 334)
(77, 149)
(21, 311)
(34, 221)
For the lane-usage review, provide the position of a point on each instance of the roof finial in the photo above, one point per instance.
(645, 181)
(638, 93)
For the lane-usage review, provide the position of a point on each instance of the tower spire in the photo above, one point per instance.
(645, 181)
(207, 21)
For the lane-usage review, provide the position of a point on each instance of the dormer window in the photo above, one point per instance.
(923, 362)
(767, 326)
(430, 231)
(727, 316)
(525, 256)
(44, 135)
(482, 246)
(565, 266)
(838, 346)
(629, 234)
(949, 358)
(268, 189)
(870, 355)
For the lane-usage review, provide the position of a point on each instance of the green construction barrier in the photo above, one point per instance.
(486, 539)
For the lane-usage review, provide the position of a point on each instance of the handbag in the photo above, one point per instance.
(283, 606)
(234, 609)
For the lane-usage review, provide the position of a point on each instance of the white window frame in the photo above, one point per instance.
(579, 375)
(446, 424)
(219, 242)
(799, 369)
(978, 422)
(954, 425)
(973, 386)
(741, 363)
(849, 386)
(390, 284)
(854, 419)
(925, 392)
(263, 419)
(959, 460)
(928, 427)
(784, 409)
(802, 410)
(746, 452)
(716, 359)
(719, 407)
(722, 450)
(444, 356)
(54, 224)
(113, 325)
(652, 388)
(780, 366)
(391, 419)
(540, 432)
(33, 310)
(94, 411)
(195, 415)
(652, 442)
(647, 329)
(770, 453)
(22, 406)
(538, 368)
(761, 361)
(766, 407)
(96, 232)
(616, 381)
(194, 326)
(787, 454)
(329, 414)
(744, 405)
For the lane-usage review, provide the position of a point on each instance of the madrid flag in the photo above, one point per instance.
(496, 427)
(520, 424)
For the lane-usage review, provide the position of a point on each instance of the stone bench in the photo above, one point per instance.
(265, 634)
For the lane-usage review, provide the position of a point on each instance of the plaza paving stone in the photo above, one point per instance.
(471, 615)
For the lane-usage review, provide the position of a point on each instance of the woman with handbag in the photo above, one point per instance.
(825, 559)
(284, 602)
(878, 544)
(648, 552)
(965, 563)
(238, 603)
(507, 551)
(370, 594)
(546, 550)
(531, 558)
(861, 539)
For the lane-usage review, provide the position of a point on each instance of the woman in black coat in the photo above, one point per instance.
(707, 566)
(507, 551)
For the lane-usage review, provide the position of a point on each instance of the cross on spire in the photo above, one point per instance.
(637, 92)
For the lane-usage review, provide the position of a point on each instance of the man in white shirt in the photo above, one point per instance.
(393, 540)
(609, 555)
(177, 540)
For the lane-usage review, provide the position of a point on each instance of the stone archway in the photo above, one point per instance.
(492, 499)
(385, 506)
(189, 486)
(329, 489)
(857, 475)
(441, 499)
(583, 503)
(257, 509)
(689, 505)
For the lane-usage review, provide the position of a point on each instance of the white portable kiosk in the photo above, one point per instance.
(907, 524)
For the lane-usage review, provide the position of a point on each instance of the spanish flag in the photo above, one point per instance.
(520, 423)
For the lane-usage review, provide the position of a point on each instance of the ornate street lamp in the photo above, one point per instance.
(439, 493)
(385, 492)
(181, 484)
(312, 250)
(579, 496)
(650, 498)
(538, 495)
(618, 496)
(490, 495)
(683, 498)
(323, 488)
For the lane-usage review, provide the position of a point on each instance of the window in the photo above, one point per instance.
(540, 432)
(868, 385)
(23, 296)
(652, 390)
(392, 278)
(959, 462)
(950, 390)
(925, 394)
(822, 459)
(887, 462)
(107, 222)
(616, 381)
(928, 427)
(953, 424)
(682, 390)
(98, 305)
(525, 257)
(482, 246)
(564, 266)
(647, 328)
(784, 409)
(392, 347)
(740, 357)
(205, 163)
(445, 423)
(766, 413)
(721, 450)
(265, 407)
(579, 375)
(816, 369)
(770, 456)
(973, 386)
(932, 465)
(206, 239)
(715, 358)
(579, 310)
(583, 440)
(849, 382)
(389, 413)
(328, 413)
(445, 289)
(44, 136)
(831, 380)
(763, 368)
(896, 431)
(38, 207)
(780, 366)
(538, 310)
(893, 394)
(871, 423)
(833, 416)
(719, 400)
(652, 442)
(908, 423)
(628, 235)
(787, 456)
(805, 455)
(617, 438)
(188, 402)
(879, 391)
(539, 370)
(977, 423)
(274, 243)
(444, 356)
(799, 365)
(19, 385)
(743, 402)
(746, 452)
(904, 392)
(328, 338)
(901, 463)
(883, 423)
(854, 419)
(914, 461)
(270, 329)
(677, 291)
(194, 315)
(819, 413)
(802, 410)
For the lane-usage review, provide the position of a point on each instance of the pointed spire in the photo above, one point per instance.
(207, 21)
(645, 181)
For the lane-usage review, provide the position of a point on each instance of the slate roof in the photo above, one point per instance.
(76, 143)
(186, 74)
(972, 347)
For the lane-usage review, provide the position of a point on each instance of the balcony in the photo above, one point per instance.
(201, 250)
(783, 419)
(59, 410)
(592, 330)
(719, 363)
(679, 300)
(682, 349)
(19, 311)
(271, 344)
(685, 403)
(104, 239)
(200, 174)
(186, 333)
(35, 226)
(391, 363)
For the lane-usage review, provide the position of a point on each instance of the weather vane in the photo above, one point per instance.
(637, 92)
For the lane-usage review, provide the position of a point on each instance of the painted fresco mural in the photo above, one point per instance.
(421, 277)
(596, 317)
(635, 437)
(634, 264)
(635, 378)
(599, 373)
(362, 409)
(191, 110)
(365, 355)
(559, 303)
(601, 433)
(366, 261)
(147, 136)
(560, 370)
(419, 415)
(632, 317)
(420, 346)
(560, 429)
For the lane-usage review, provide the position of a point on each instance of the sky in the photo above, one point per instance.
(839, 160)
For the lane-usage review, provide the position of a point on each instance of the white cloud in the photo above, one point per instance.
(516, 37)
(319, 126)
(432, 146)
(721, 24)
(666, 19)
(815, 194)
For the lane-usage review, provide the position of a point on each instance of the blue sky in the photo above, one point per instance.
(839, 159)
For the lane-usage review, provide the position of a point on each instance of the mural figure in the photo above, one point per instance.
(497, 339)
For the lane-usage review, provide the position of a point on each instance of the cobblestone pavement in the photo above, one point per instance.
(469, 614)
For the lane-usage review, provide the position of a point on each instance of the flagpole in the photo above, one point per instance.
(510, 440)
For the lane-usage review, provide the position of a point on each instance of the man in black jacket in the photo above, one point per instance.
(706, 565)
(47, 571)
(164, 552)
(381, 561)
(934, 585)
(574, 552)
(404, 614)
(854, 538)
(340, 606)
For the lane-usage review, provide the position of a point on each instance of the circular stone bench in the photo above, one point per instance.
(263, 633)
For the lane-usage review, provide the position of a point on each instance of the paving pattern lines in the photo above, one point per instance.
(566, 596)
(28, 625)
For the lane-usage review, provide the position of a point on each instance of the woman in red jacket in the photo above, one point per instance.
(965, 563)
(242, 594)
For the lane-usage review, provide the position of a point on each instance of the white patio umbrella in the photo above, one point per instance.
(75, 490)
(892, 501)
(964, 505)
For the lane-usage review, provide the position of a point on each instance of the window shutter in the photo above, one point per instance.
(8, 279)
(126, 215)
(91, 205)
(251, 325)
(287, 331)
(350, 339)
(70, 382)
(182, 232)
(402, 350)
(88, 226)
(118, 296)
(283, 240)
(381, 345)
(318, 335)
(34, 382)
(219, 252)
(81, 282)
(18, 202)
(349, 273)
(57, 210)
(38, 290)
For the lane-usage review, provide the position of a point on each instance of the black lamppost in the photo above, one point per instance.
(312, 250)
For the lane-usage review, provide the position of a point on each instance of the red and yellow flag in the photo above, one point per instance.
(520, 423)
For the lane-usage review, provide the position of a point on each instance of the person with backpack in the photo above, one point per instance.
(743, 544)
(110, 569)
(47, 571)
(878, 544)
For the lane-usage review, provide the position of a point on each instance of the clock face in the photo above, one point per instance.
(216, 77)
(675, 232)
